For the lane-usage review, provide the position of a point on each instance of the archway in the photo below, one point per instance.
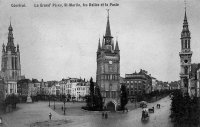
(110, 106)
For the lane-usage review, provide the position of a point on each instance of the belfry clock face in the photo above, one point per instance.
(110, 62)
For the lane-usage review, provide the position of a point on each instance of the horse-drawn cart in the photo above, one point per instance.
(145, 114)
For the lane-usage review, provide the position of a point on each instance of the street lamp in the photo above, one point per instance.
(54, 103)
(64, 104)
(49, 100)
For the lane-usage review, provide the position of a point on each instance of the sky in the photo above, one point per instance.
(57, 42)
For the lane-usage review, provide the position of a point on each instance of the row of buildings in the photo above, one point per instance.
(72, 88)
(139, 83)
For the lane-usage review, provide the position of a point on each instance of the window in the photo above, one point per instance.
(113, 94)
(182, 43)
(131, 92)
(107, 94)
(15, 63)
(185, 43)
(186, 70)
(188, 43)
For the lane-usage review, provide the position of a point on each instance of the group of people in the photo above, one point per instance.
(158, 105)
(104, 115)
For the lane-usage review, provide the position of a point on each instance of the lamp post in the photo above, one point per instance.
(136, 95)
(64, 104)
(54, 103)
(49, 100)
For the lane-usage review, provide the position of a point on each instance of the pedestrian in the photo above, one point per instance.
(1, 120)
(50, 115)
(126, 109)
(102, 114)
(62, 108)
(143, 114)
(106, 115)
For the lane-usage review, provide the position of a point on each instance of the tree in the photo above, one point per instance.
(98, 100)
(91, 86)
(123, 97)
(92, 91)
(12, 99)
(184, 110)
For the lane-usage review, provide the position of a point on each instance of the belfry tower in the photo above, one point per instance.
(108, 69)
(185, 57)
(10, 63)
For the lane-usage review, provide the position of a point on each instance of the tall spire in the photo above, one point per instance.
(185, 17)
(185, 31)
(10, 27)
(10, 45)
(108, 31)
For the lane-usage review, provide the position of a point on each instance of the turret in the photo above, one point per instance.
(112, 45)
(103, 43)
(3, 50)
(99, 46)
(116, 46)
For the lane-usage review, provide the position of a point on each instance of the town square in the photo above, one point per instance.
(99, 63)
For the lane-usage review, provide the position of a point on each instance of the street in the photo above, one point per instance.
(36, 114)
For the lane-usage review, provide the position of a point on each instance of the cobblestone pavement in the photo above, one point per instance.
(38, 112)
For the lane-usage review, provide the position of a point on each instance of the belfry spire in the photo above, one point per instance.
(108, 31)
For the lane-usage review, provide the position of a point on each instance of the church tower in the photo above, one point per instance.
(185, 57)
(10, 63)
(108, 69)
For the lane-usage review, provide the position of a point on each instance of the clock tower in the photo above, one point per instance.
(108, 69)
(185, 57)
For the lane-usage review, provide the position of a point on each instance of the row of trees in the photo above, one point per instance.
(155, 94)
(184, 110)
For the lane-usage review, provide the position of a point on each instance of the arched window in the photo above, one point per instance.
(186, 70)
(185, 80)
